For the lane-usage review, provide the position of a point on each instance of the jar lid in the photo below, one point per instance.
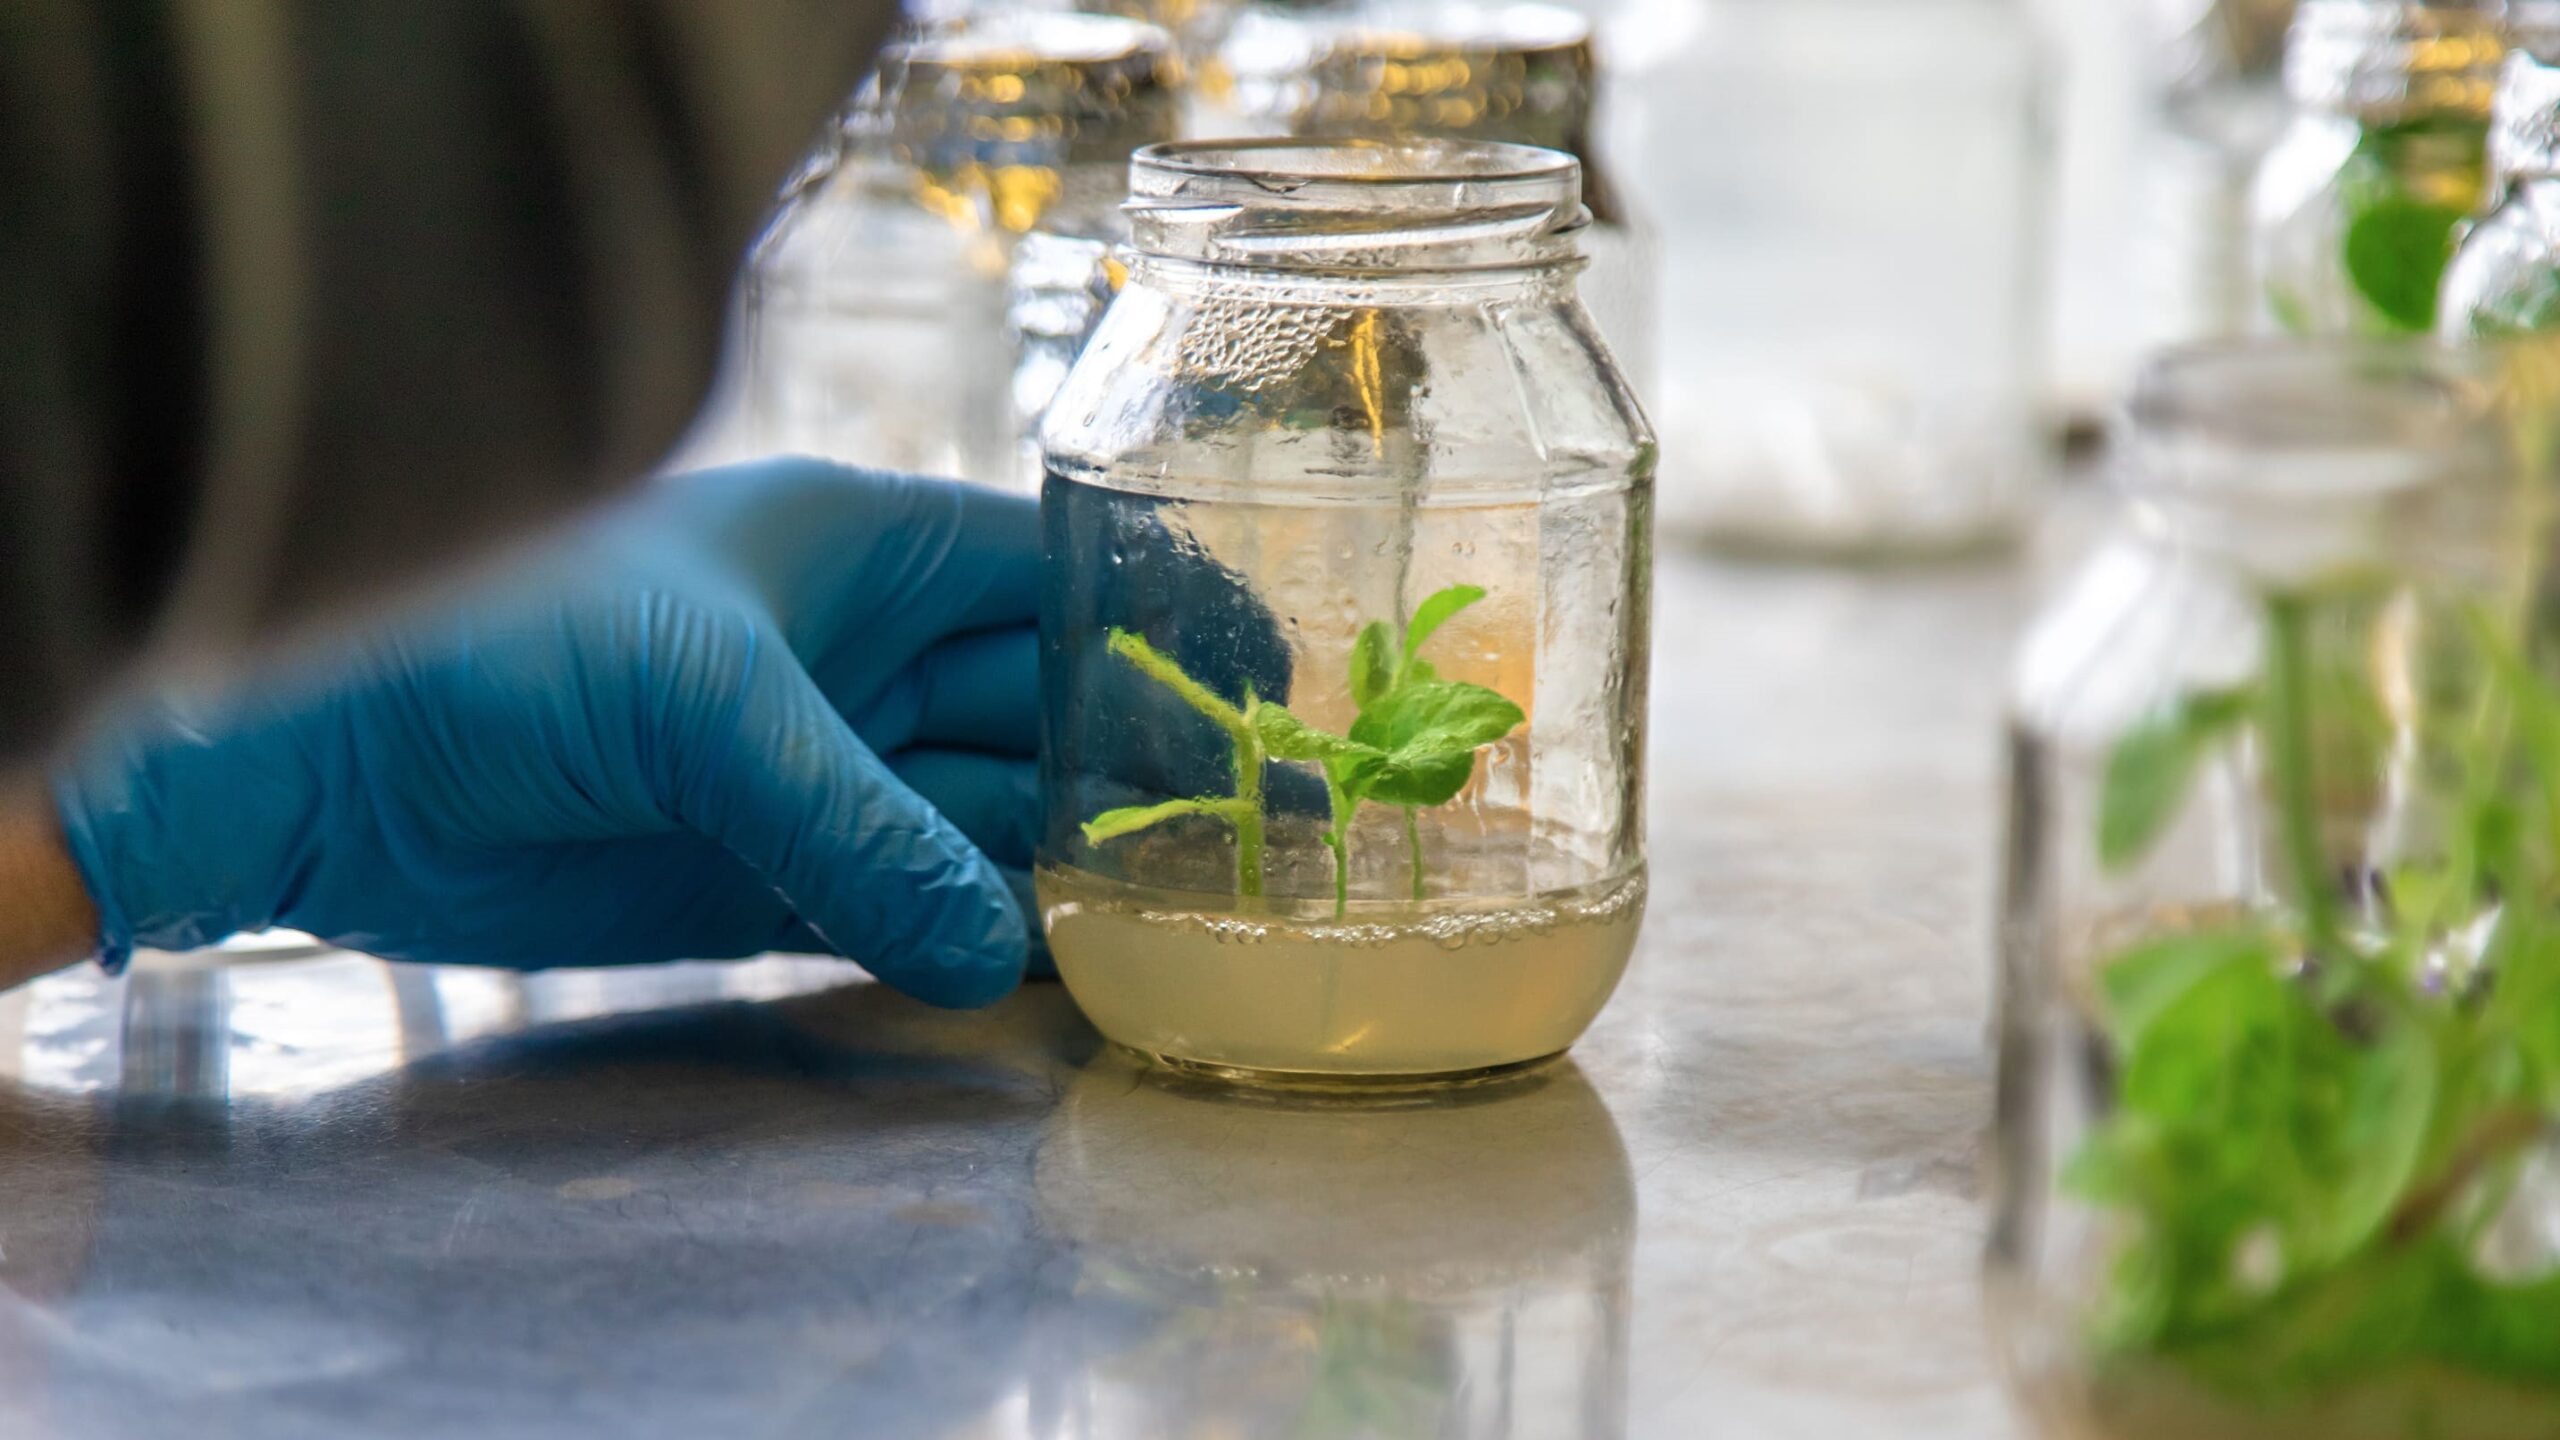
(1031, 88)
(2524, 126)
(1521, 73)
(1357, 206)
(2396, 61)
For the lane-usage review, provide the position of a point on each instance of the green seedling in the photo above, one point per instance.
(2321, 1111)
(1412, 744)
(2406, 192)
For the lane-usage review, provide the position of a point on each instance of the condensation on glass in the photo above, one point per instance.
(2505, 277)
(2356, 209)
(884, 323)
(2257, 739)
(1523, 74)
(1850, 361)
(1345, 634)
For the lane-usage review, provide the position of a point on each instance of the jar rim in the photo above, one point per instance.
(1435, 162)
(1366, 207)
(2280, 425)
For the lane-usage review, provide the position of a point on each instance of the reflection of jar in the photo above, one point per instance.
(2355, 209)
(1344, 645)
(1524, 74)
(1856, 191)
(2505, 278)
(876, 328)
(1449, 1270)
(2279, 946)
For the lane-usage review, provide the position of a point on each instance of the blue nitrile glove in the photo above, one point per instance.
(768, 707)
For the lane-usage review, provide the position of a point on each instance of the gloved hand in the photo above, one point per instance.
(768, 707)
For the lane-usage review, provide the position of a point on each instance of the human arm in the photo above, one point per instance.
(46, 920)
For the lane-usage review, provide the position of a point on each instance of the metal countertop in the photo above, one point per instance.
(328, 1197)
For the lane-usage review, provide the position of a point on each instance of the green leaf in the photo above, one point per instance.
(2396, 251)
(1430, 733)
(1433, 613)
(2150, 769)
(1373, 666)
(1437, 717)
(1130, 819)
(1286, 737)
(2141, 984)
(1425, 781)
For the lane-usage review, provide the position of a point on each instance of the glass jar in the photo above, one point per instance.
(1854, 195)
(1344, 643)
(876, 326)
(2278, 1071)
(2355, 210)
(1524, 74)
(2505, 277)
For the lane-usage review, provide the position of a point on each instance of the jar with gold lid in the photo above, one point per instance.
(876, 302)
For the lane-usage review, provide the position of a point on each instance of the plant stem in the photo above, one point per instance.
(2289, 742)
(1160, 668)
(1338, 839)
(1248, 813)
(2497, 1134)
(1413, 844)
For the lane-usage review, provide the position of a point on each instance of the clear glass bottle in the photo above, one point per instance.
(1856, 196)
(2278, 1073)
(1524, 74)
(1343, 652)
(876, 309)
(2505, 277)
(2355, 210)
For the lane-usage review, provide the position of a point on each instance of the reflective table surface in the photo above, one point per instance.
(327, 1197)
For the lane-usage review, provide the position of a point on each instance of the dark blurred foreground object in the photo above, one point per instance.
(299, 299)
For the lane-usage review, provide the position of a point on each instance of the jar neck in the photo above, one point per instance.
(1552, 282)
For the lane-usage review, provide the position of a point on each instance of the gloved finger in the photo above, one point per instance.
(979, 691)
(995, 800)
(927, 559)
(1043, 965)
(789, 788)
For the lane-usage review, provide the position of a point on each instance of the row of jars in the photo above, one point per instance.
(2402, 197)
(931, 275)
(1844, 360)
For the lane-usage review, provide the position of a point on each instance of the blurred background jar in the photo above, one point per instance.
(2355, 210)
(2505, 276)
(1524, 74)
(876, 304)
(1852, 195)
(2213, 105)
(2273, 1137)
